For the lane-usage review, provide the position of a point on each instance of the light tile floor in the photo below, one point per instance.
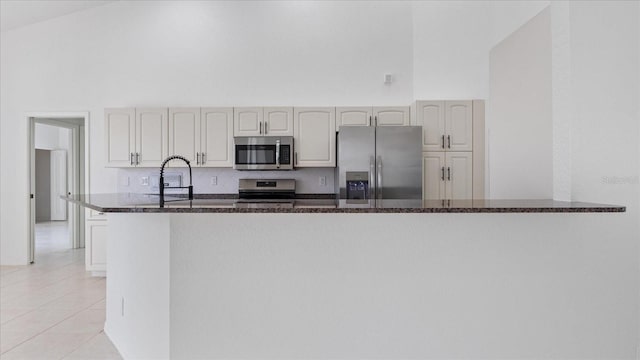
(53, 309)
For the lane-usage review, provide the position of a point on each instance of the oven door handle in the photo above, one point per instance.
(278, 154)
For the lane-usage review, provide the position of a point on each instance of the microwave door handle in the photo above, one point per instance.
(278, 154)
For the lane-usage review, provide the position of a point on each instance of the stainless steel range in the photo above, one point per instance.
(266, 193)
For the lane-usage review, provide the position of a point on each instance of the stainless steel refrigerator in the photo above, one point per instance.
(379, 162)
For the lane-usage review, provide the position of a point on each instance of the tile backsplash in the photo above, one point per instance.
(223, 180)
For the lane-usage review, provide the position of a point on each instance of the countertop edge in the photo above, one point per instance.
(199, 209)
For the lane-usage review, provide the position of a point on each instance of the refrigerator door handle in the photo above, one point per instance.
(372, 170)
(379, 184)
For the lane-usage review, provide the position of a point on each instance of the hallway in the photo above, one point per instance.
(53, 309)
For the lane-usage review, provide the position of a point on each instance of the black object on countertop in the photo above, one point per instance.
(162, 185)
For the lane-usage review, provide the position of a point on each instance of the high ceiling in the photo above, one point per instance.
(18, 13)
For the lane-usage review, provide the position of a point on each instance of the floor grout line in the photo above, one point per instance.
(72, 274)
(54, 325)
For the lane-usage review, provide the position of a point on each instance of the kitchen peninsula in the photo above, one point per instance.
(327, 279)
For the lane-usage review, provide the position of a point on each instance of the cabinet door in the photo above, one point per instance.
(353, 116)
(216, 134)
(430, 115)
(459, 125)
(96, 245)
(433, 176)
(314, 137)
(247, 121)
(459, 175)
(184, 131)
(152, 140)
(120, 137)
(278, 121)
(391, 116)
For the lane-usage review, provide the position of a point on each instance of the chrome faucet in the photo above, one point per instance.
(162, 185)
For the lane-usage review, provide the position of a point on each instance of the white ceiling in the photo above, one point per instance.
(18, 13)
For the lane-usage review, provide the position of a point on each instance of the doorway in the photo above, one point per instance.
(59, 163)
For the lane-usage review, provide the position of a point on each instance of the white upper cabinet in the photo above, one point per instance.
(446, 125)
(278, 121)
(268, 121)
(314, 137)
(391, 116)
(216, 137)
(430, 115)
(353, 116)
(248, 121)
(120, 137)
(184, 128)
(373, 116)
(136, 137)
(204, 136)
(151, 136)
(459, 125)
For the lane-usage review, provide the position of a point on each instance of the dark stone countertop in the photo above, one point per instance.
(325, 203)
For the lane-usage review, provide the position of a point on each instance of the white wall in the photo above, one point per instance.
(519, 113)
(49, 137)
(507, 16)
(450, 50)
(191, 54)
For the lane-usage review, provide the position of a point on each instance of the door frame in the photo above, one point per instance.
(78, 144)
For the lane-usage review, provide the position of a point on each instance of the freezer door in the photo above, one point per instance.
(356, 146)
(399, 162)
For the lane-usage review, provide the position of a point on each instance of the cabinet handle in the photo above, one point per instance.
(443, 141)
(201, 158)
(260, 131)
(137, 158)
(449, 173)
(265, 127)
(369, 120)
(197, 158)
(131, 159)
(442, 174)
(375, 118)
(449, 141)
(295, 157)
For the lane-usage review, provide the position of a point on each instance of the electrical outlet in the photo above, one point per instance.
(323, 181)
(214, 180)
(144, 181)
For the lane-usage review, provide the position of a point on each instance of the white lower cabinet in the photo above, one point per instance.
(447, 175)
(96, 246)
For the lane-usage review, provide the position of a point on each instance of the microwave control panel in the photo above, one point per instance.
(285, 154)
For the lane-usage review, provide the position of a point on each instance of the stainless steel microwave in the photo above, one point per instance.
(263, 152)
